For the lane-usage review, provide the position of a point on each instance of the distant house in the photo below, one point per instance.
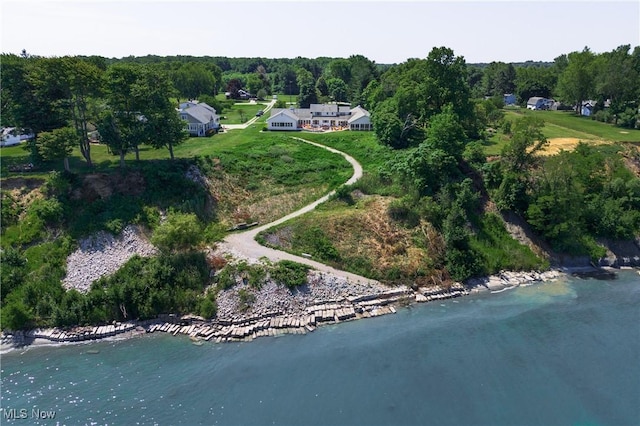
(509, 99)
(12, 136)
(244, 94)
(320, 117)
(587, 108)
(537, 103)
(199, 117)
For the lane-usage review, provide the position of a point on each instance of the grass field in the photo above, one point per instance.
(565, 129)
(241, 113)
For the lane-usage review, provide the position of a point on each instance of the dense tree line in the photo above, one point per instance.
(43, 94)
(61, 100)
(572, 78)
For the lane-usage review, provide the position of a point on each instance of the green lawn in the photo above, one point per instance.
(363, 146)
(568, 124)
(565, 124)
(240, 113)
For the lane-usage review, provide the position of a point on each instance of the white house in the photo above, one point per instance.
(199, 117)
(536, 103)
(319, 116)
(360, 119)
(282, 119)
(12, 136)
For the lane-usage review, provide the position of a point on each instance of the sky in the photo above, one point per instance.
(384, 31)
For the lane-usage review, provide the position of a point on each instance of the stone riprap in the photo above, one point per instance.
(103, 254)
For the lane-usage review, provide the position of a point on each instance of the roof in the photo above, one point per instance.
(322, 108)
(308, 113)
(536, 99)
(275, 112)
(357, 113)
(198, 112)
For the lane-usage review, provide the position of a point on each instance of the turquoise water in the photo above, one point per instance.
(563, 353)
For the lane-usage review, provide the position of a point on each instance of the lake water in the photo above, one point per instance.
(560, 353)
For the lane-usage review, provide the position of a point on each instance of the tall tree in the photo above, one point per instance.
(72, 82)
(576, 82)
(518, 158)
(337, 89)
(421, 89)
(362, 71)
(163, 127)
(306, 83)
(498, 79)
(534, 81)
(122, 127)
(22, 105)
(192, 80)
(618, 78)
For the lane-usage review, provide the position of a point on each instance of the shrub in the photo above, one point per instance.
(290, 274)
(314, 241)
(628, 119)
(217, 262)
(149, 216)
(10, 210)
(180, 231)
(343, 193)
(58, 184)
(214, 232)
(246, 298)
(604, 116)
(207, 307)
(474, 154)
(506, 127)
(49, 210)
(226, 278)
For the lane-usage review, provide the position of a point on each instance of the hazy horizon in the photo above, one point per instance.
(384, 31)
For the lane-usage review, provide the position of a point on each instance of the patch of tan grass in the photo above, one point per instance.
(566, 144)
(369, 233)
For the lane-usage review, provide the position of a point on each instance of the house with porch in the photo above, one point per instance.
(360, 119)
(199, 118)
(320, 117)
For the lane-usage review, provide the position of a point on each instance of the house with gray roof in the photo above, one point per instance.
(199, 117)
(537, 103)
(360, 119)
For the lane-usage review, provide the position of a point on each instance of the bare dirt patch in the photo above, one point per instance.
(102, 186)
(565, 144)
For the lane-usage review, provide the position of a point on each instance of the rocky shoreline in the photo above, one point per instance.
(276, 310)
(245, 313)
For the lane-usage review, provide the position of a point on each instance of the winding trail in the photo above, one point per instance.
(244, 243)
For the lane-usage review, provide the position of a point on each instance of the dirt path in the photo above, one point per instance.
(244, 243)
